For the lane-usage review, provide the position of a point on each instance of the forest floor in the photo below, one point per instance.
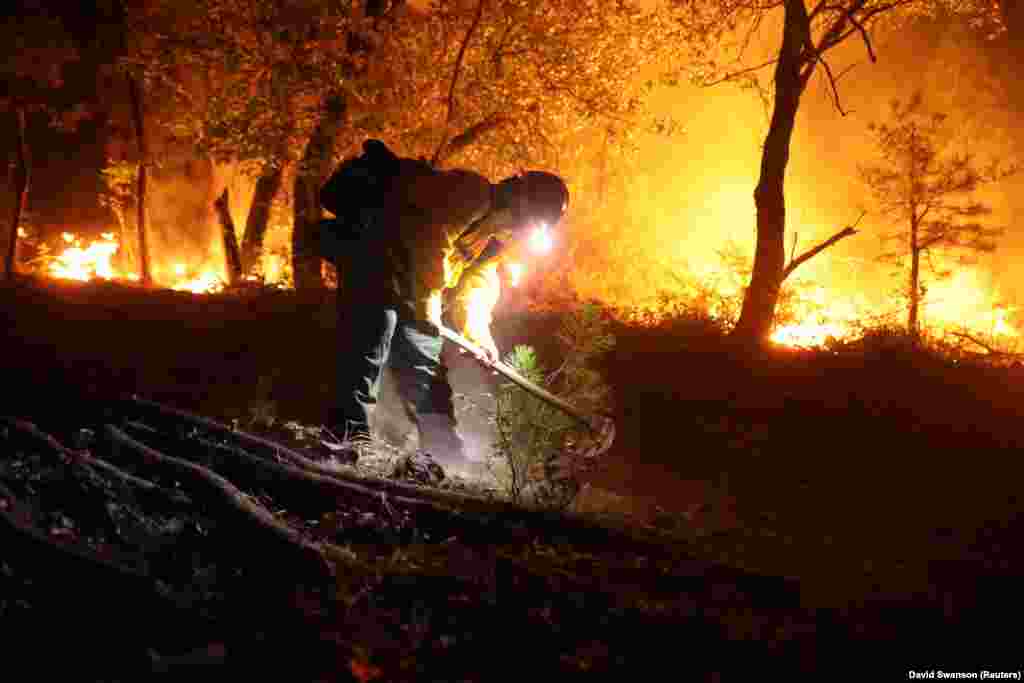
(807, 514)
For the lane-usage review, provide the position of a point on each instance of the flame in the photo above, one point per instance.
(208, 281)
(85, 263)
(480, 298)
(964, 302)
(22, 232)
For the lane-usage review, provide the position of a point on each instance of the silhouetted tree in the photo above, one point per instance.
(34, 48)
(809, 33)
(926, 191)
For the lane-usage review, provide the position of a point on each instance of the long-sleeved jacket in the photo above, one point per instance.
(446, 243)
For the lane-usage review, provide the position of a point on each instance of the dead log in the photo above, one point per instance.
(214, 490)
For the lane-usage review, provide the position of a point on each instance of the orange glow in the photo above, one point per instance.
(207, 281)
(480, 299)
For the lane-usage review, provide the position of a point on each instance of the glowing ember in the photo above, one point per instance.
(206, 282)
(85, 263)
(22, 233)
(515, 273)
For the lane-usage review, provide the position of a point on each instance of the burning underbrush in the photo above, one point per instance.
(961, 311)
(82, 259)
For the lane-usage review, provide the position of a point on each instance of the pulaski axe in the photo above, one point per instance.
(601, 425)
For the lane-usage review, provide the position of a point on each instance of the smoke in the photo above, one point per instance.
(691, 194)
(473, 389)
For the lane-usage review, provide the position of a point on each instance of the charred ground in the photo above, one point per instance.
(820, 506)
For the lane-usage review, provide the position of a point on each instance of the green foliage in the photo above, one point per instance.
(539, 448)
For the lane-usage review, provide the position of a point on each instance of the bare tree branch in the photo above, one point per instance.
(471, 135)
(455, 80)
(814, 251)
(733, 75)
(867, 40)
(832, 84)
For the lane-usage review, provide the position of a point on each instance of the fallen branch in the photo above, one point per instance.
(220, 492)
(814, 251)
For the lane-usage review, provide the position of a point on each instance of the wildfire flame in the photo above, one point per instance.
(965, 302)
(207, 281)
(85, 263)
(480, 300)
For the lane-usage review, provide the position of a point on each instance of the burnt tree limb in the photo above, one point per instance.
(209, 488)
(795, 263)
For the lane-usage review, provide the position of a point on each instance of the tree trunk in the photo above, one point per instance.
(140, 201)
(311, 173)
(227, 228)
(913, 326)
(267, 187)
(762, 295)
(22, 166)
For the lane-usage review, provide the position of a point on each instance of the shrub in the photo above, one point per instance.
(538, 448)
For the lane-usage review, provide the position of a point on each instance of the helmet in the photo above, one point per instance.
(539, 195)
(547, 196)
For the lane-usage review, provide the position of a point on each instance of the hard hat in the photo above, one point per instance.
(546, 194)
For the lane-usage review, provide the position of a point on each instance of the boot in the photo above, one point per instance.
(439, 438)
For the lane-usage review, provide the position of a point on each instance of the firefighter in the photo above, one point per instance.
(410, 243)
